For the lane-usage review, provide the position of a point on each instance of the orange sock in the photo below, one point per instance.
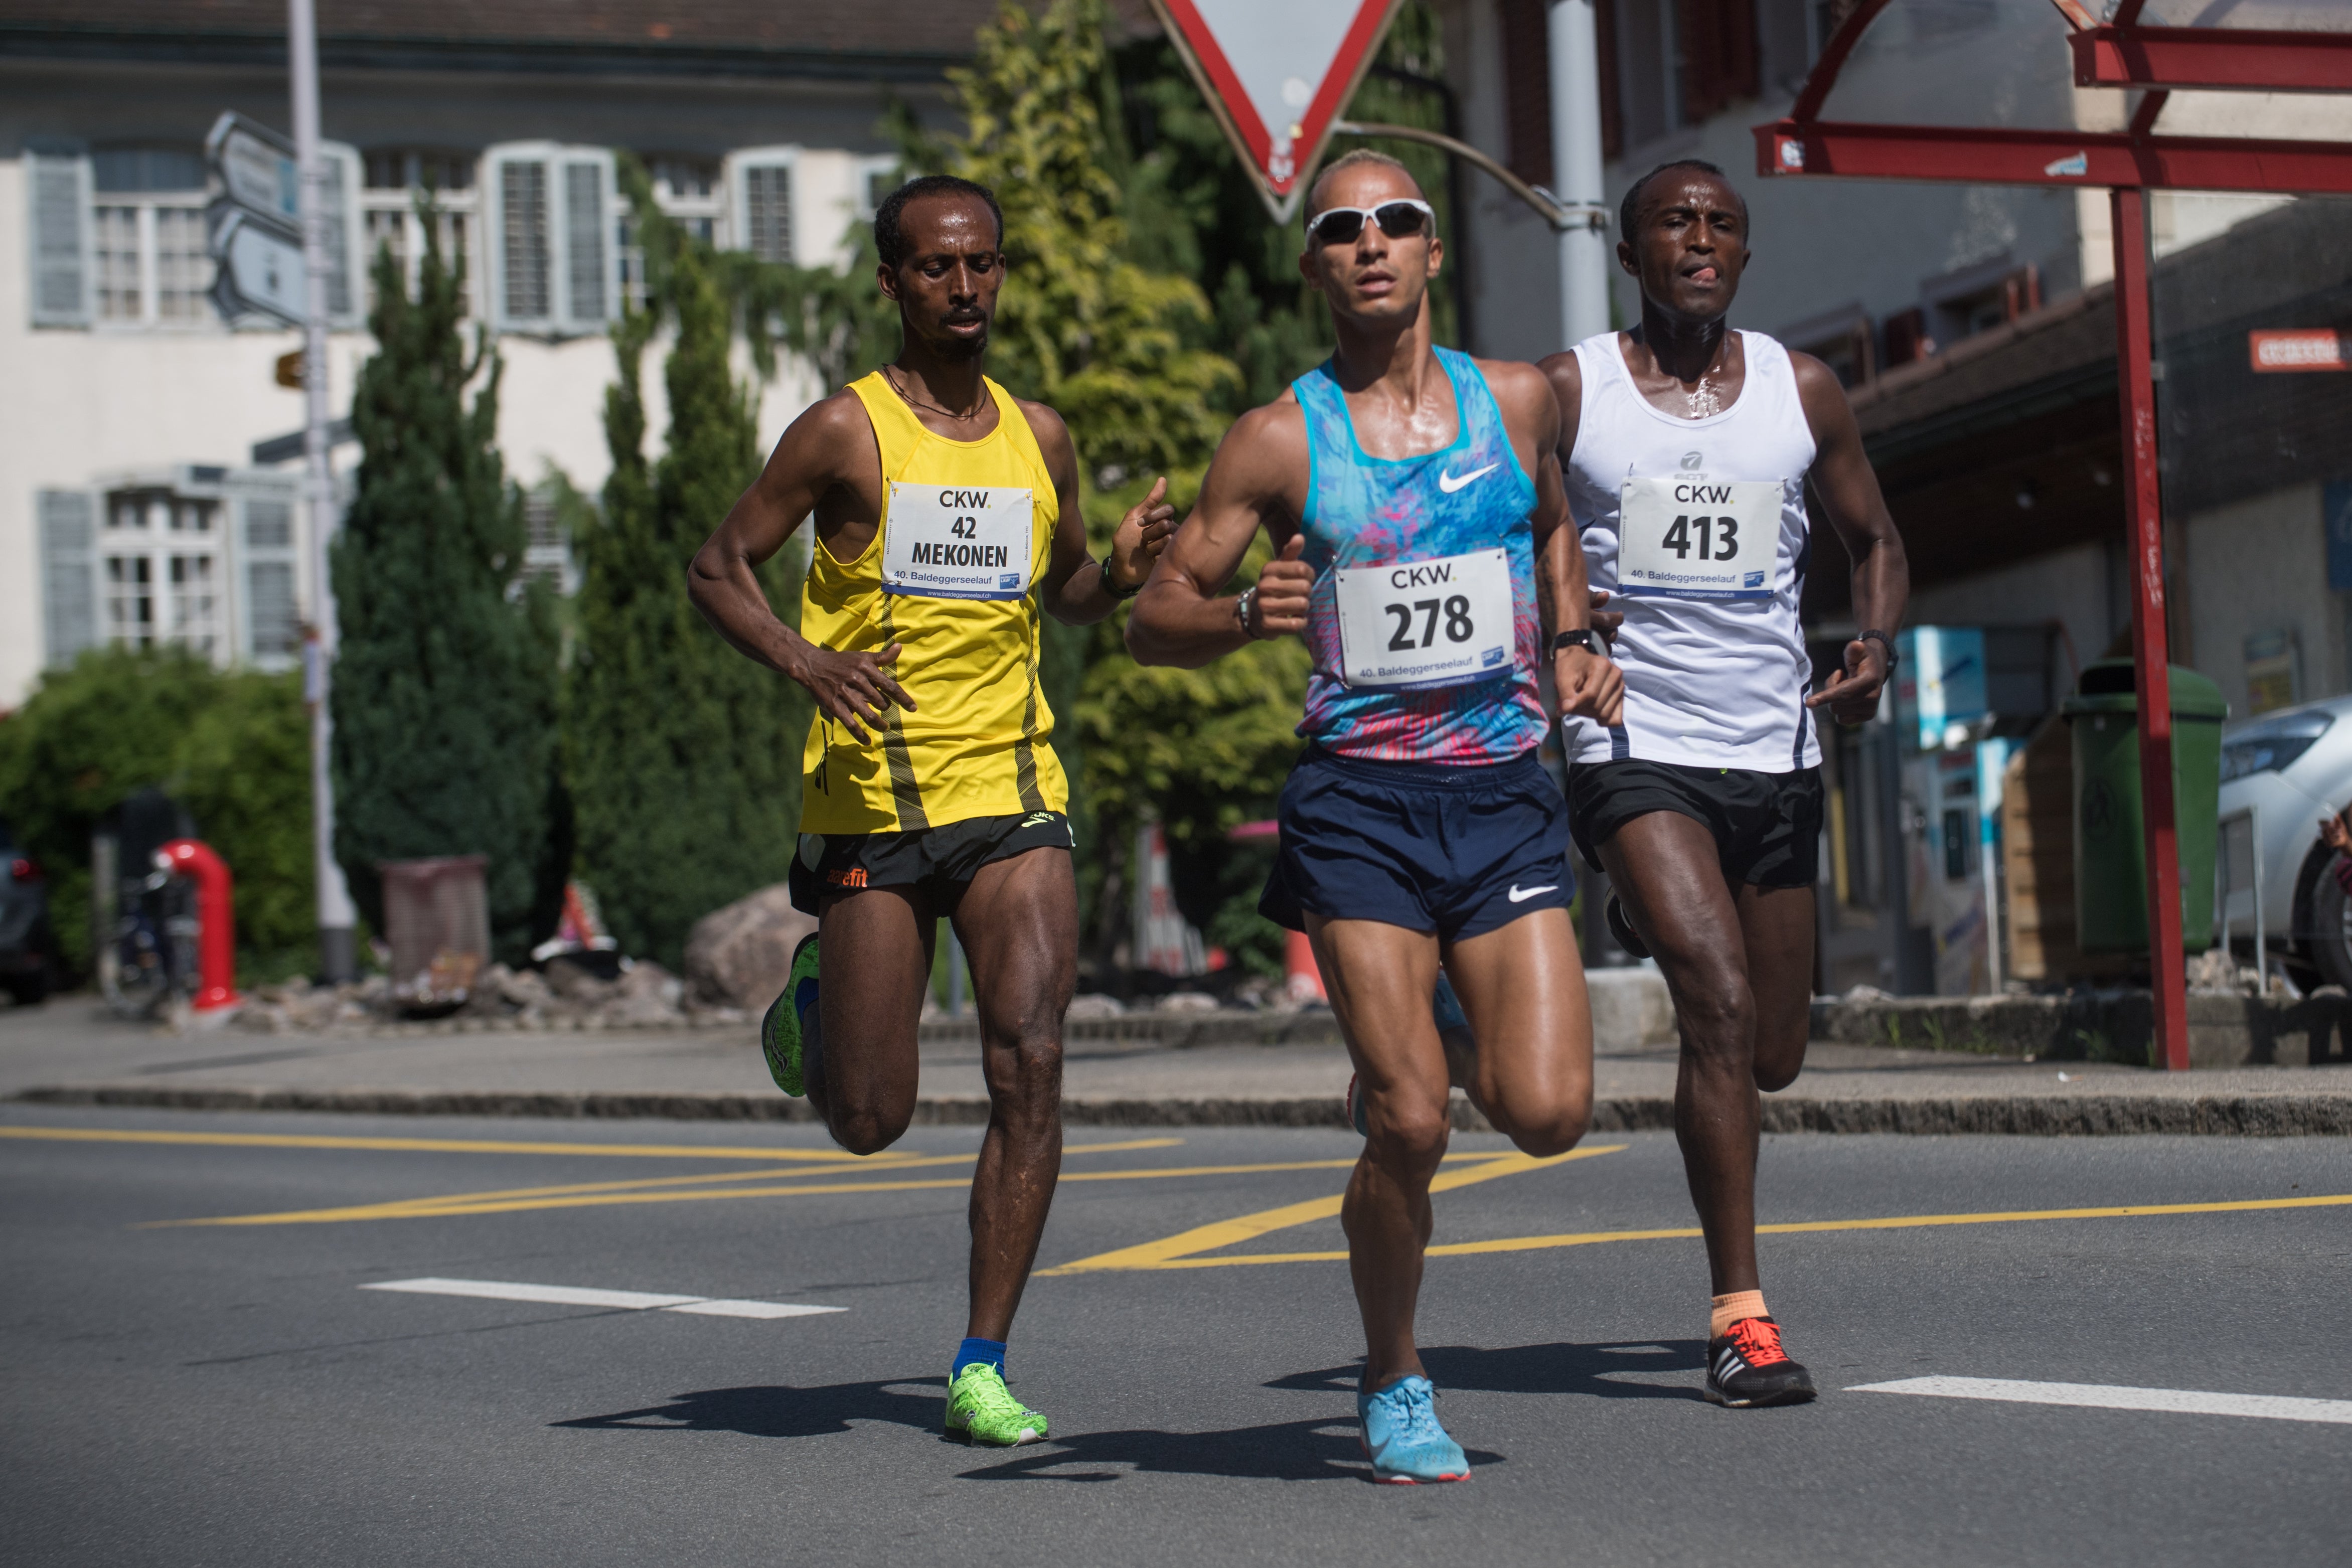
(1730, 1310)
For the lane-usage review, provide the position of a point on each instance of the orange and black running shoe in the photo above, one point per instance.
(1747, 1368)
(1621, 927)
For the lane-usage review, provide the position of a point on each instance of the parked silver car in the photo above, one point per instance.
(2294, 766)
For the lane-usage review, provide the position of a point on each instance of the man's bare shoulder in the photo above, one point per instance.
(1053, 432)
(1265, 446)
(834, 426)
(1821, 393)
(1522, 391)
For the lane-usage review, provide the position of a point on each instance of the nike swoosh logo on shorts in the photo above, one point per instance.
(1449, 484)
(1521, 895)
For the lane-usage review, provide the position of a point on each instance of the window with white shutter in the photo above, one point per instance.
(553, 265)
(346, 244)
(269, 625)
(68, 573)
(762, 187)
(59, 192)
(587, 244)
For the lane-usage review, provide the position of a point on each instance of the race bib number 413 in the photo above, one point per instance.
(1691, 537)
(947, 542)
(1429, 622)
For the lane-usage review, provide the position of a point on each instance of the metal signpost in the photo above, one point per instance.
(268, 232)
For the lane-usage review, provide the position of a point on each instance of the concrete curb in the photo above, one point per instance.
(2247, 1116)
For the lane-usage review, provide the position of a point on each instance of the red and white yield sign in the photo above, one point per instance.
(1277, 73)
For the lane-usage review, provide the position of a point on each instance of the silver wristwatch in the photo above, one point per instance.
(1242, 608)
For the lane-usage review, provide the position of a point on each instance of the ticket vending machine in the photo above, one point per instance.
(1952, 697)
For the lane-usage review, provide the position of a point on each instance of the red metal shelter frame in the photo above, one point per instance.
(2156, 60)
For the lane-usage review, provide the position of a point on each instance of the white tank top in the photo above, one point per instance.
(1697, 528)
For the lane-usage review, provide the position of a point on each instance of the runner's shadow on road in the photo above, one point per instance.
(782, 1411)
(1542, 1369)
(1327, 1449)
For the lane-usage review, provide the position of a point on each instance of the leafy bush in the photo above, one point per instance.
(233, 746)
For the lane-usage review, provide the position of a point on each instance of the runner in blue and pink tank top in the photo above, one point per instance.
(1409, 492)
(1435, 525)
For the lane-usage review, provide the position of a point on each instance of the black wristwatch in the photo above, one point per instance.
(1113, 589)
(1886, 643)
(1584, 637)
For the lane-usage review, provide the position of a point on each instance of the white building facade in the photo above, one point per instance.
(149, 489)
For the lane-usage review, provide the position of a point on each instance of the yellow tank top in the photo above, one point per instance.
(967, 531)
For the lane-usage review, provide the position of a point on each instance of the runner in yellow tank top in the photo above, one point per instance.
(947, 579)
(947, 524)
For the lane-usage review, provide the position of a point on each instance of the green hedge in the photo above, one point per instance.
(232, 746)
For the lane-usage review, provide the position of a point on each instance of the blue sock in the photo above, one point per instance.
(971, 1351)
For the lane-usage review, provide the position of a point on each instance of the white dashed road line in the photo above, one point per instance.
(2113, 1396)
(575, 1296)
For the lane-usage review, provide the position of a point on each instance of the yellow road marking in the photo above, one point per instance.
(1163, 1254)
(495, 1146)
(595, 1195)
(1589, 1238)
(424, 1145)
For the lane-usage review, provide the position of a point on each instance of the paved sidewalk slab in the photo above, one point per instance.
(71, 1052)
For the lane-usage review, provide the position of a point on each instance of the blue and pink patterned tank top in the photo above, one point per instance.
(1436, 556)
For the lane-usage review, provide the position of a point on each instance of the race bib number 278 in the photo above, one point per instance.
(1691, 537)
(946, 542)
(1426, 622)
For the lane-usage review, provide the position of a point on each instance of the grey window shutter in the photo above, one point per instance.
(68, 573)
(272, 614)
(59, 189)
(586, 247)
(344, 299)
(768, 211)
(525, 280)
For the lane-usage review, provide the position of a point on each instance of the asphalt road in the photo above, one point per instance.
(201, 1392)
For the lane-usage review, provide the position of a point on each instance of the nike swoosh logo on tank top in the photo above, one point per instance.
(1449, 484)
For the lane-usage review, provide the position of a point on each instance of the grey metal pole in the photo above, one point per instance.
(1584, 251)
(336, 916)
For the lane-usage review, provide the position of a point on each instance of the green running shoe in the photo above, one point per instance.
(980, 1409)
(782, 1030)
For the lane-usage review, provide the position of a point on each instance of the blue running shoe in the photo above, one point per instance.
(1402, 1438)
(1445, 1007)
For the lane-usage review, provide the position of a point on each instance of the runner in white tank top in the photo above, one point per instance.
(1698, 527)
(1687, 448)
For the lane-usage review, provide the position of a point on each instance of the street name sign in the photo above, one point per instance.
(255, 228)
(1278, 74)
(260, 270)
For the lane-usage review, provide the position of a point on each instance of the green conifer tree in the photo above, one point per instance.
(684, 756)
(445, 688)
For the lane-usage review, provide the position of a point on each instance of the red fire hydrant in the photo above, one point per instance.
(216, 920)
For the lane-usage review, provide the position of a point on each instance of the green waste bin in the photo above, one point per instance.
(2110, 853)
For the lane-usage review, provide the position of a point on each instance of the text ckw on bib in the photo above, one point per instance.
(948, 541)
(1426, 622)
(1691, 537)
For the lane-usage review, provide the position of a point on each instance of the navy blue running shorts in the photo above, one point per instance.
(1430, 846)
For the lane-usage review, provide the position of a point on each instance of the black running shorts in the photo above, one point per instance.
(939, 862)
(1767, 826)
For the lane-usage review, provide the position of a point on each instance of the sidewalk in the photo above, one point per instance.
(72, 1052)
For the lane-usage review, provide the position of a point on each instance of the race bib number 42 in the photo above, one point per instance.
(1431, 623)
(1691, 537)
(950, 543)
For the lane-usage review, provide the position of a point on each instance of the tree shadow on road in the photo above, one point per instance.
(1542, 1369)
(784, 1411)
